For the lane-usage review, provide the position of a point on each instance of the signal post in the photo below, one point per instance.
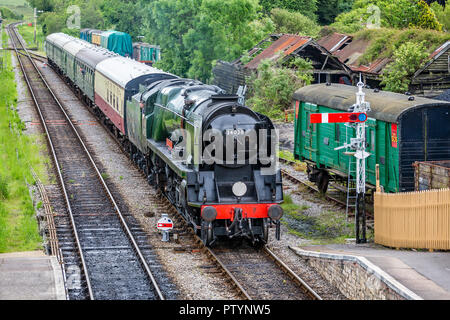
(357, 116)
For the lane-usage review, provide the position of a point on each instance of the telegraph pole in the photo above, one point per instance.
(1, 31)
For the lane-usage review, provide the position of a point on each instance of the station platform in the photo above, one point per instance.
(427, 274)
(30, 276)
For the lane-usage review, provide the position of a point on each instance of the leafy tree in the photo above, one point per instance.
(327, 10)
(125, 16)
(305, 7)
(442, 15)
(273, 86)
(427, 18)
(221, 30)
(408, 58)
(45, 5)
(394, 14)
(166, 23)
(293, 22)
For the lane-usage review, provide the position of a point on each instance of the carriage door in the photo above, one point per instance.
(310, 133)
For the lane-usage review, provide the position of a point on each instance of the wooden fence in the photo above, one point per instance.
(413, 219)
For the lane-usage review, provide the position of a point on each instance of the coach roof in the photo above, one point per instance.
(122, 70)
(59, 39)
(385, 106)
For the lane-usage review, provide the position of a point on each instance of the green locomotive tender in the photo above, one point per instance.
(400, 129)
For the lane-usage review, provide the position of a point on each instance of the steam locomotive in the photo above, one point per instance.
(213, 157)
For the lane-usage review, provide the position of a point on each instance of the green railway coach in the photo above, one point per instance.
(400, 129)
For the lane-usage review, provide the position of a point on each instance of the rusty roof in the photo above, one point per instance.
(334, 41)
(286, 44)
(375, 67)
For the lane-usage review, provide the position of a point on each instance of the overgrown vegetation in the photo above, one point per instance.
(328, 227)
(408, 58)
(273, 85)
(388, 14)
(294, 23)
(18, 225)
(384, 41)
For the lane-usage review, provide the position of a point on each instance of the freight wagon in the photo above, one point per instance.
(146, 53)
(401, 129)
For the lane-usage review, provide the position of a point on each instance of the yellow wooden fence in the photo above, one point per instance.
(413, 219)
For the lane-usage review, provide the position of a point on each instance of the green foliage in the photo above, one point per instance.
(306, 7)
(44, 5)
(392, 14)
(442, 15)
(327, 10)
(273, 86)
(8, 14)
(195, 33)
(166, 23)
(384, 41)
(407, 59)
(427, 19)
(125, 16)
(293, 22)
(4, 193)
(18, 226)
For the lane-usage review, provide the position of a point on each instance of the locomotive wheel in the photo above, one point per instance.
(207, 233)
(265, 236)
(322, 181)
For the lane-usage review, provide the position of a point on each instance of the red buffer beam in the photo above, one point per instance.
(338, 117)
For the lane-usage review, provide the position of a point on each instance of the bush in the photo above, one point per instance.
(407, 59)
(392, 14)
(294, 22)
(273, 86)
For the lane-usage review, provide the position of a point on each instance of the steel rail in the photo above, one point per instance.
(300, 282)
(99, 176)
(12, 34)
(209, 252)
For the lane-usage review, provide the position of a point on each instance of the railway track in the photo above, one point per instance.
(255, 273)
(274, 279)
(104, 252)
(335, 193)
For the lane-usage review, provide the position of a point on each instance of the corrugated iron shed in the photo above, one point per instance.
(334, 41)
(285, 45)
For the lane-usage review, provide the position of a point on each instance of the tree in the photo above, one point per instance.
(305, 7)
(125, 16)
(392, 14)
(293, 22)
(166, 23)
(408, 58)
(221, 30)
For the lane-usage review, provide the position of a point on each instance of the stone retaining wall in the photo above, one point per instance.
(356, 277)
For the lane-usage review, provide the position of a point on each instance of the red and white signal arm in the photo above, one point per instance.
(164, 224)
(338, 117)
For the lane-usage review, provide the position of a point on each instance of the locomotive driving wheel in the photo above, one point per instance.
(207, 235)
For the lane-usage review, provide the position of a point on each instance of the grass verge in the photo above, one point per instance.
(328, 227)
(18, 225)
